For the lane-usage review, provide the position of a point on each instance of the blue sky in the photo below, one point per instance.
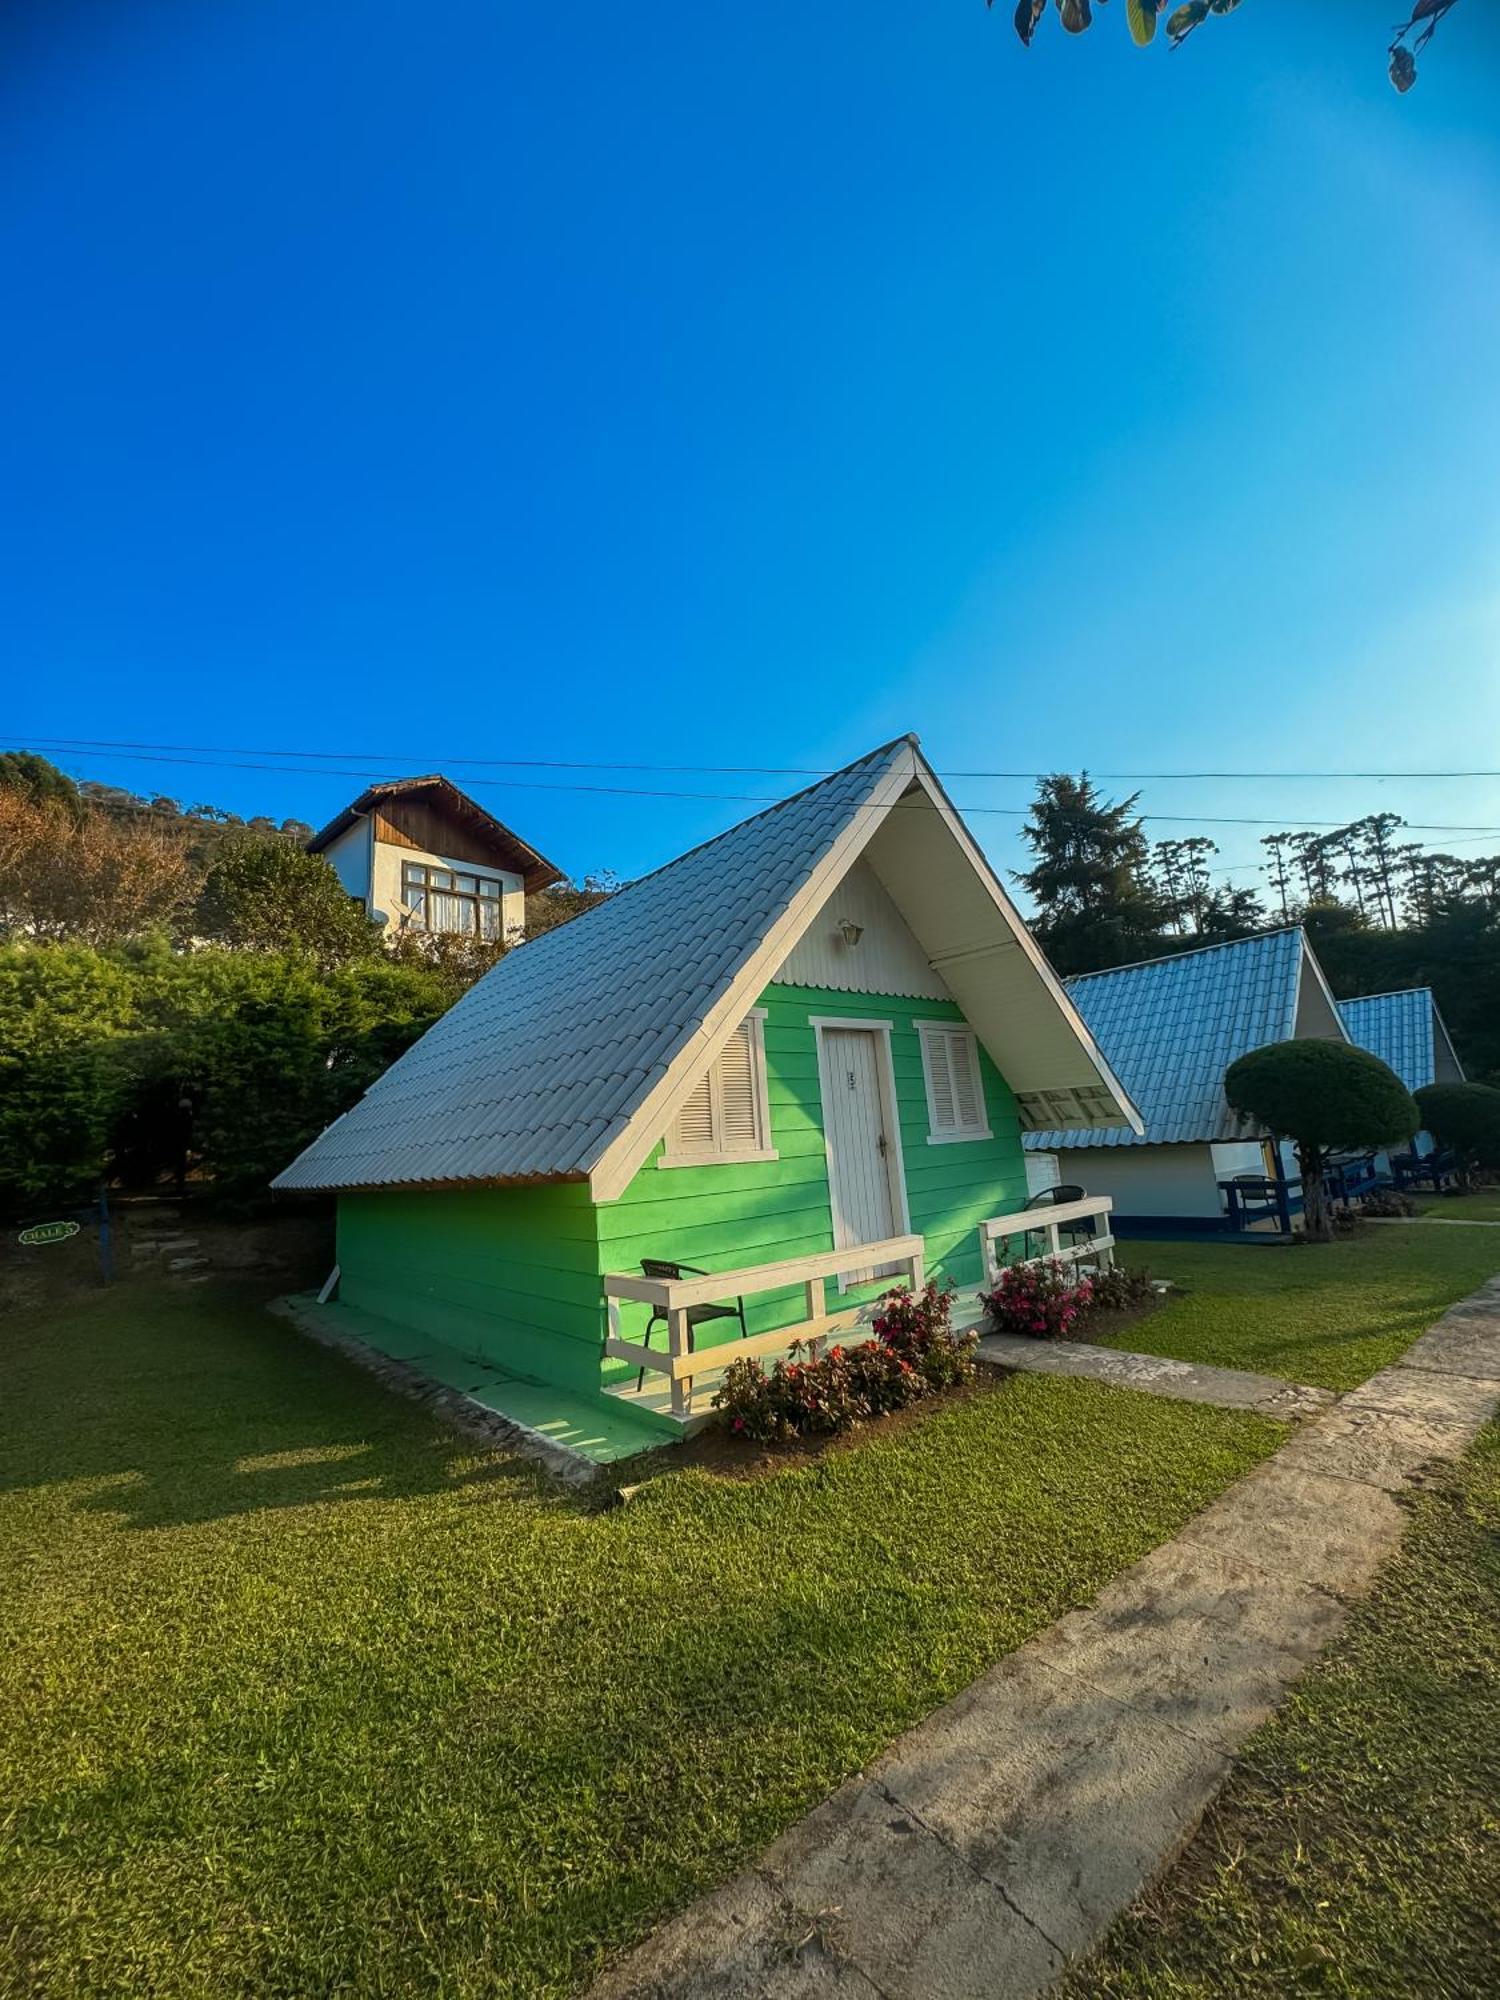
(697, 386)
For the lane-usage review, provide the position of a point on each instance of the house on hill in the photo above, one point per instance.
(1169, 1028)
(811, 1044)
(423, 856)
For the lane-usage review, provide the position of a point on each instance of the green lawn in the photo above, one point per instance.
(300, 1696)
(1483, 1205)
(1356, 1851)
(1326, 1313)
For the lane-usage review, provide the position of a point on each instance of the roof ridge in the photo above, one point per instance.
(777, 805)
(1193, 951)
(1390, 993)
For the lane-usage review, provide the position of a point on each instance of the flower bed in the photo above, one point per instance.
(1046, 1300)
(914, 1353)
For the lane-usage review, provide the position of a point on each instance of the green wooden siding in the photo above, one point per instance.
(508, 1274)
(765, 1210)
(512, 1274)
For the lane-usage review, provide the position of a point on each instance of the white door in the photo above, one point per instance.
(862, 1153)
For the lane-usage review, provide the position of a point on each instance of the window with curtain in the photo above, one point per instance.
(451, 900)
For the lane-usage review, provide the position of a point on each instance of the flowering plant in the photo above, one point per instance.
(914, 1353)
(1039, 1299)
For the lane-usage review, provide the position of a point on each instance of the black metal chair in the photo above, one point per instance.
(656, 1267)
(1053, 1197)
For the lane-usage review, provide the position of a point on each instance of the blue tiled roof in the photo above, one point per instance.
(1402, 1029)
(1171, 1027)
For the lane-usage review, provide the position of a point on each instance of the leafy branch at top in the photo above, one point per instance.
(1142, 16)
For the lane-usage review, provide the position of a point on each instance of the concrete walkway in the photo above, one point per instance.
(1186, 1381)
(1000, 1837)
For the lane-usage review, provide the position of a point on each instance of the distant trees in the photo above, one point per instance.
(1091, 879)
(1184, 20)
(75, 874)
(1466, 1118)
(267, 894)
(1325, 1097)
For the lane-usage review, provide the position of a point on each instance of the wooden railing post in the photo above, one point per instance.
(817, 1306)
(677, 1345)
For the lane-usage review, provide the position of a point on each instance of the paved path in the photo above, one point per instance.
(1187, 1381)
(1000, 1836)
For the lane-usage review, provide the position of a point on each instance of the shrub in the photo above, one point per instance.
(1325, 1097)
(1040, 1299)
(914, 1353)
(1121, 1288)
(1465, 1117)
(1389, 1201)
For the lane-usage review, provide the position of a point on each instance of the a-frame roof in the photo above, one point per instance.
(1172, 1026)
(572, 1056)
(1408, 1034)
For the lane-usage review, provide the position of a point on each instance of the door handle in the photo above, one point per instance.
(881, 1143)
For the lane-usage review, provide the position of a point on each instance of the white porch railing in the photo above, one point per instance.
(1047, 1222)
(674, 1297)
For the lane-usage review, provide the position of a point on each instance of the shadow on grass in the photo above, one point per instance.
(182, 1410)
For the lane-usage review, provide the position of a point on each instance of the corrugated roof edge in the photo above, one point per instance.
(1193, 951)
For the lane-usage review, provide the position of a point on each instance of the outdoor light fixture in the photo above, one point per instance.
(850, 931)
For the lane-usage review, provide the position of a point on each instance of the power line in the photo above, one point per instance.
(204, 763)
(707, 770)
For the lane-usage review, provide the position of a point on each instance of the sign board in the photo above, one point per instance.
(48, 1232)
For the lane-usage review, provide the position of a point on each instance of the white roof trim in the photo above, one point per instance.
(627, 1152)
(623, 1156)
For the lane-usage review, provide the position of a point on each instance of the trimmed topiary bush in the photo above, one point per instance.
(1465, 1117)
(1326, 1097)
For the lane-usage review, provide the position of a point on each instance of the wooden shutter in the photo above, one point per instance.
(941, 1083)
(955, 1090)
(739, 1094)
(726, 1115)
(968, 1100)
(693, 1130)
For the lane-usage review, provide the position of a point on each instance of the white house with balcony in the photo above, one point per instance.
(423, 856)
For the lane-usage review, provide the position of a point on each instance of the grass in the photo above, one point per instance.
(1356, 1851)
(302, 1696)
(1327, 1313)
(1483, 1205)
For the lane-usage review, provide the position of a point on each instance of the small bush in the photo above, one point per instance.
(1389, 1201)
(1121, 1289)
(914, 1353)
(1041, 1299)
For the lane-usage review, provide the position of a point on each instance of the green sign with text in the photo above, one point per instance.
(48, 1232)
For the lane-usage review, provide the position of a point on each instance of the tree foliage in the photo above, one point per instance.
(268, 894)
(1326, 1097)
(114, 1059)
(1096, 904)
(75, 874)
(34, 776)
(1142, 17)
(1466, 1118)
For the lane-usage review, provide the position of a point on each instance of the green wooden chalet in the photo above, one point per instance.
(799, 1058)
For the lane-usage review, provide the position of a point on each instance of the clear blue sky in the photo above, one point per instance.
(693, 384)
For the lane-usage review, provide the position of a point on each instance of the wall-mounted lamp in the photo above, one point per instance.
(850, 931)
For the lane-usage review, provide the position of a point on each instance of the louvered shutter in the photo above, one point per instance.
(941, 1081)
(968, 1102)
(955, 1091)
(739, 1105)
(693, 1131)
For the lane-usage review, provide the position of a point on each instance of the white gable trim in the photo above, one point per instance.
(627, 1150)
(1029, 947)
